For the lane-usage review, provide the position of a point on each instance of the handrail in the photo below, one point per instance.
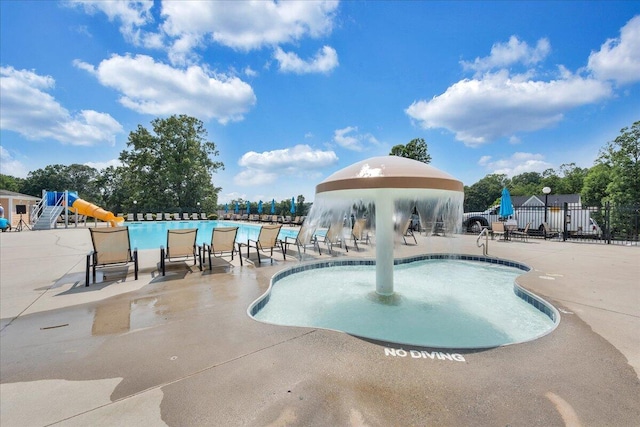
(485, 244)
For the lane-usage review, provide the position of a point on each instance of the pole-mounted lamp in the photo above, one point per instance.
(546, 191)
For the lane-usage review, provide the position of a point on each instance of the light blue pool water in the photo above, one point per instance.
(151, 235)
(443, 303)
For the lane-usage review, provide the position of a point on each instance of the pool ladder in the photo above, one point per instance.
(484, 245)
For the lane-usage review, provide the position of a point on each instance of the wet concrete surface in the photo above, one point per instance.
(181, 350)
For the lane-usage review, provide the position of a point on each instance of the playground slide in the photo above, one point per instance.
(89, 209)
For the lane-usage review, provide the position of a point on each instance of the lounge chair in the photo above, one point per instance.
(333, 237)
(497, 229)
(548, 232)
(148, 217)
(203, 216)
(359, 233)
(139, 217)
(159, 216)
(408, 232)
(181, 243)
(521, 234)
(130, 217)
(223, 240)
(194, 216)
(185, 216)
(267, 239)
(303, 239)
(287, 220)
(110, 246)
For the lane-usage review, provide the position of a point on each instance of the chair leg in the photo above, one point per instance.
(135, 264)
(162, 261)
(86, 275)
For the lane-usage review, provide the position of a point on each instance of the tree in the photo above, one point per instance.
(623, 156)
(10, 183)
(484, 193)
(573, 178)
(594, 188)
(526, 184)
(172, 167)
(416, 149)
(75, 177)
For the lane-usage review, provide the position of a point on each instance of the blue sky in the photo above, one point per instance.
(291, 92)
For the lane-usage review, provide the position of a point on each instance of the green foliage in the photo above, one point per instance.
(484, 193)
(170, 168)
(416, 149)
(10, 183)
(75, 177)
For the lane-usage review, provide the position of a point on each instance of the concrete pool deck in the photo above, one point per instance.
(180, 350)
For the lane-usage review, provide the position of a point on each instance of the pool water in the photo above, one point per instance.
(151, 235)
(439, 303)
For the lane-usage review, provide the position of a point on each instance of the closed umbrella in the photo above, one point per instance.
(248, 207)
(260, 207)
(226, 208)
(237, 207)
(273, 206)
(506, 208)
(293, 205)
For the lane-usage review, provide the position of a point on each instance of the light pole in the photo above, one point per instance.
(198, 208)
(135, 209)
(546, 191)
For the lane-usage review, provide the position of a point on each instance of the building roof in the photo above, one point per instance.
(552, 200)
(6, 194)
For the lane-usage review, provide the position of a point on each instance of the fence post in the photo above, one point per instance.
(565, 231)
(607, 222)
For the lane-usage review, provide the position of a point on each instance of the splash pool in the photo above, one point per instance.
(465, 302)
(151, 235)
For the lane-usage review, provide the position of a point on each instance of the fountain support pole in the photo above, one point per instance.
(384, 245)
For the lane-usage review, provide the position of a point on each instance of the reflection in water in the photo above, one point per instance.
(121, 315)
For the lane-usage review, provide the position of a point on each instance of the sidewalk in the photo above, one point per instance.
(181, 350)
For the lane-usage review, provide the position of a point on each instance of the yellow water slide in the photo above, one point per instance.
(89, 209)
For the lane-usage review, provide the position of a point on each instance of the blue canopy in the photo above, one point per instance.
(237, 207)
(260, 207)
(293, 205)
(273, 206)
(506, 207)
(248, 206)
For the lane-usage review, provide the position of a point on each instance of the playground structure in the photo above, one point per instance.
(55, 203)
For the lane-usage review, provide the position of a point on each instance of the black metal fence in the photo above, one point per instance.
(600, 224)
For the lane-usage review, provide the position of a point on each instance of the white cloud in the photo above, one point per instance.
(324, 61)
(517, 164)
(155, 88)
(619, 59)
(498, 105)
(346, 138)
(264, 168)
(11, 166)
(29, 110)
(249, 72)
(512, 52)
(131, 14)
(244, 25)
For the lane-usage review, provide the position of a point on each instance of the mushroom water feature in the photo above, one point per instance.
(442, 300)
(389, 188)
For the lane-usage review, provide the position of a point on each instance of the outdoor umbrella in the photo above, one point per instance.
(248, 207)
(260, 207)
(237, 207)
(506, 208)
(293, 205)
(226, 208)
(273, 206)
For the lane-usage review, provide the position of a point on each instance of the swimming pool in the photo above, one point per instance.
(441, 301)
(151, 235)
